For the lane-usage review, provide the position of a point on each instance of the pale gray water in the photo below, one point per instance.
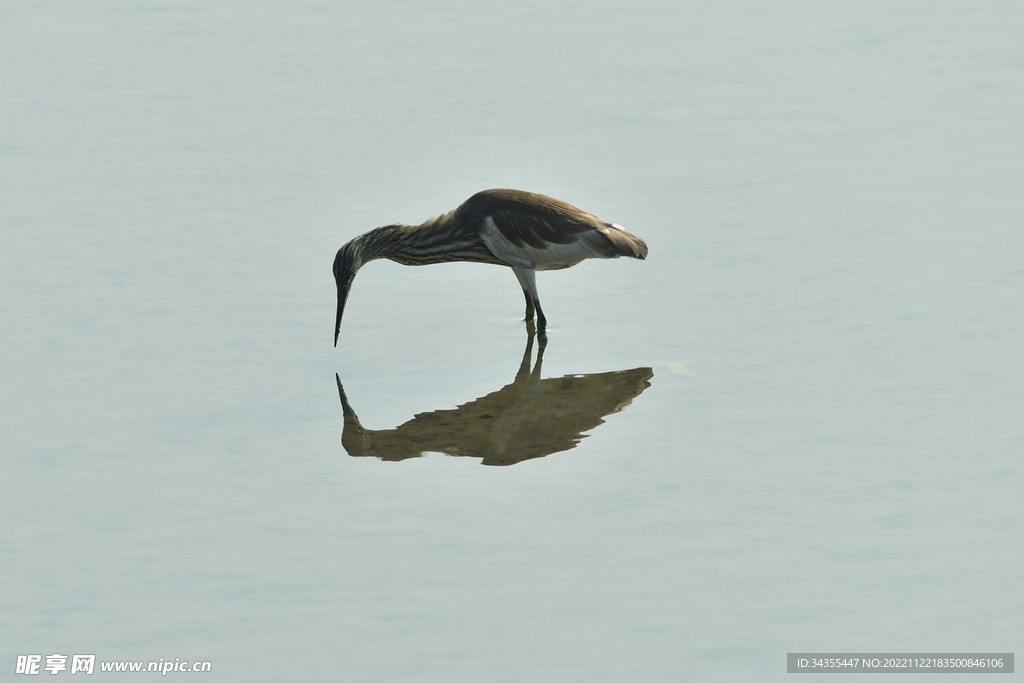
(827, 457)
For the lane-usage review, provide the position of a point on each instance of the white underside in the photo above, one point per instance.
(556, 256)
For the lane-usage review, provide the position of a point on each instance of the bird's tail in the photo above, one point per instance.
(626, 244)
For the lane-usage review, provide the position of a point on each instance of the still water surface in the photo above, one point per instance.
(795, 427)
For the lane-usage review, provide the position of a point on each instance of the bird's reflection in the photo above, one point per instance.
(529, 418)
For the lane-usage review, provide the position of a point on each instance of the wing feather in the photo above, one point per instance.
(534, 221)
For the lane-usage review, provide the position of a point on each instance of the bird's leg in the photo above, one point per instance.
(527, 280)
(542, 322)
(529, 305)
(542, 325)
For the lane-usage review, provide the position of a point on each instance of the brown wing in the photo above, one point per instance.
(526, 218)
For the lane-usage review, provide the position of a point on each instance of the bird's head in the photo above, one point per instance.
(375, 244)
(346, 263)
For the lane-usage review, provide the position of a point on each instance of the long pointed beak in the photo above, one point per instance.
(342, 297)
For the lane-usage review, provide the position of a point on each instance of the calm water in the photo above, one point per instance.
(795, 427)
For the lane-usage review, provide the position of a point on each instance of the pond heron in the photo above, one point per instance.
(522, 230)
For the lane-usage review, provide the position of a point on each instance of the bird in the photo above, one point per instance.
(525, 231)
